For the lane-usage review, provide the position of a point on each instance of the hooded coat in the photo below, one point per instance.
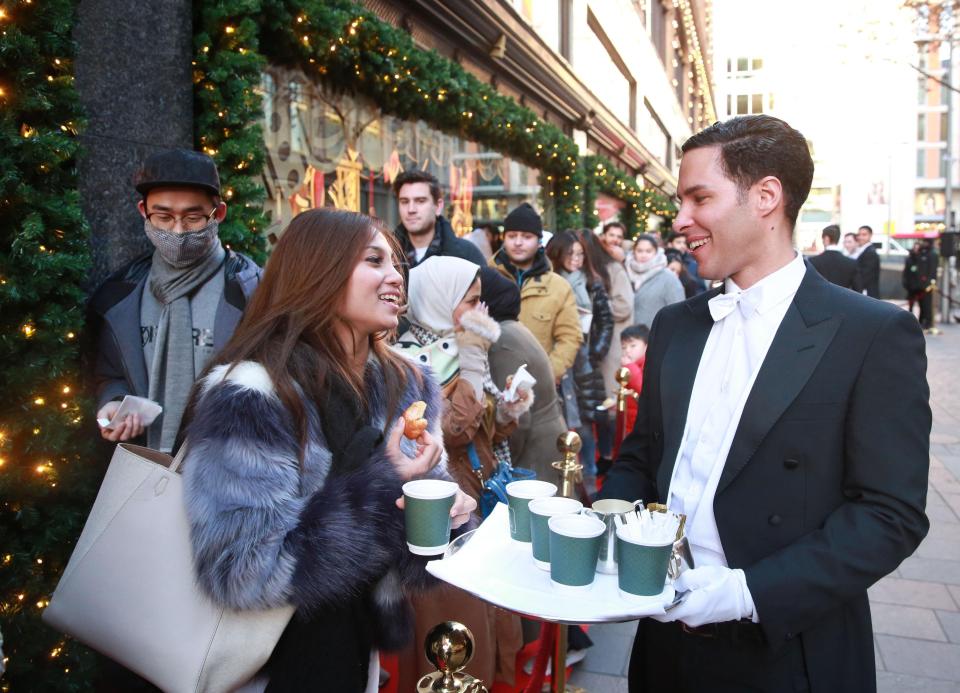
(267, 530)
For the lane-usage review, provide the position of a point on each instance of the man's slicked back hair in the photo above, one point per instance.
(756, 146)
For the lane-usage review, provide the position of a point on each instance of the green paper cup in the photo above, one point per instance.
(519, 495)
(574, 548)
(426, 511)
(541, 510)
(643, 568)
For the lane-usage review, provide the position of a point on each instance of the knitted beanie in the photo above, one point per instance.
(524, 218)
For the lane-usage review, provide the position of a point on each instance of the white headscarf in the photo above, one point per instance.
(437, 285)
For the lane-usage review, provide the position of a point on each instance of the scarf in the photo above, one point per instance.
(437, 285)
(642, 272)
(172, 371)
(578, 282)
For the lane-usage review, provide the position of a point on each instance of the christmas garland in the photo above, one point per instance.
(602, 176)
(351, 49)
(45, 486)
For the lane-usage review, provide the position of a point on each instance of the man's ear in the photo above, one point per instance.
(221, 213)
(769, 193)
(142, 208)
(440, 205)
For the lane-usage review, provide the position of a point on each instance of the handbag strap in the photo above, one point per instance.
(178, 460)
(475, 460)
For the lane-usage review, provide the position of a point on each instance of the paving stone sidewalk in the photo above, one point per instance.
(916, 609)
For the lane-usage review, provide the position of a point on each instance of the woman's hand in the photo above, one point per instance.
(129, 428)
(429, 450)
(463, 507)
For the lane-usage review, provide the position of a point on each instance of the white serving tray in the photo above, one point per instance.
(493, 567)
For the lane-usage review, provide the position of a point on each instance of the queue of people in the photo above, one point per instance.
(285, 387)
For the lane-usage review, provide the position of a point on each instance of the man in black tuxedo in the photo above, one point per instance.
(788, 419)
(868, 262)
(832, 264)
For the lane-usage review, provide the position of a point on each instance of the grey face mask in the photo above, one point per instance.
(182, 249)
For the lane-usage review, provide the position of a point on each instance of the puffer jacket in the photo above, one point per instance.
(547, 308)
(601, 326)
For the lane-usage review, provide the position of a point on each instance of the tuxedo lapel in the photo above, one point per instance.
(677, 375)
(805, 334)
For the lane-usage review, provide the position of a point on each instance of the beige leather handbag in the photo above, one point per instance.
(129, 590)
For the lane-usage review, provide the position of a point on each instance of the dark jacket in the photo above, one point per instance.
(588, 381)
(118, 366)
(601, 325)
(869, 265)
(837, 269)
(824, 488)
(445, 242)
(919, 270)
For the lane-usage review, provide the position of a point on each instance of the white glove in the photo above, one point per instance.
(715, 594)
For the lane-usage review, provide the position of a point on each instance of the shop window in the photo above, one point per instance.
(328, 149)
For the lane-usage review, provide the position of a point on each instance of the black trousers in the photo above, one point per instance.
(667, 659)
(925, 300)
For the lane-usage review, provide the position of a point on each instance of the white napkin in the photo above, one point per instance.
(522, 381)
(131, 404)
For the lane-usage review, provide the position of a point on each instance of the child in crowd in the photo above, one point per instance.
(633, 350)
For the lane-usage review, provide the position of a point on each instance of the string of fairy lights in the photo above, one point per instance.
(351, 49)
(45, 481)
(335, 40)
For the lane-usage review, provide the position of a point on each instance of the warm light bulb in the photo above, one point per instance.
(39, 401)
(66, 389)
(28, 330)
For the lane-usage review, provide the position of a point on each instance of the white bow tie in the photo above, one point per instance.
(722, 305)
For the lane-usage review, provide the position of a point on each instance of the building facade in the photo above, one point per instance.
(841, 74)
(625, 79)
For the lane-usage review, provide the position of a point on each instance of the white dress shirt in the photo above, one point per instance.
(745, 325)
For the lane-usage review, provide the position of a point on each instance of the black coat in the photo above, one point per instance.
(601, 326)
(837, 269)
(824, 488)
(445, 242)
(869, 265)
(919, 270)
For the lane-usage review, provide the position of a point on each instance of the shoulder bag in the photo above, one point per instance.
(129, 592)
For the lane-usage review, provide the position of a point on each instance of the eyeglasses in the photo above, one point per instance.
(575, 254)
(192, 221)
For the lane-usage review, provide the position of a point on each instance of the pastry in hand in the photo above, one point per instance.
(413, 422)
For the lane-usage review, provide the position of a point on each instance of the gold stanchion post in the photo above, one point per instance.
(623, 378)
(449, 647)
(569, 444)
(569, 469)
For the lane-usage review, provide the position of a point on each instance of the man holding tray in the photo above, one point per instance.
(788, 419)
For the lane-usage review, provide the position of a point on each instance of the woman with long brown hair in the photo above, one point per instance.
(295, 462)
